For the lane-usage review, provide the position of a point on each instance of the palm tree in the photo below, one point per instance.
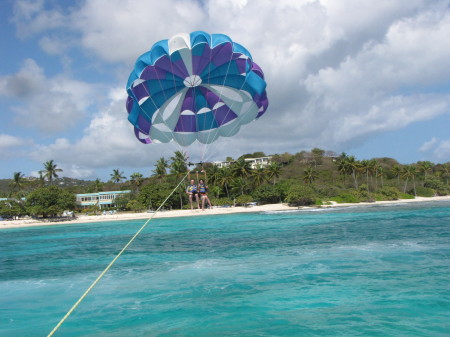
(317, 155)
(41, 180)
(18, 181)
(179, 163)
(274, 170)
(309, 175)
(397, 172)
(97, 185)
(259, 176)
(215, 190)
(117, 176)
(239, 185)
(379, 173)
(179, 167)
(161, 167)
(213, 174)
(366, 166)
(50, 171)
(425, 167)
(342, 165)
(409, 172)
(353, 166)
(445, 172)
(241, 168)
(225, 178)
(137, 179)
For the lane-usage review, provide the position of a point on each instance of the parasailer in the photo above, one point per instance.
(195, 86)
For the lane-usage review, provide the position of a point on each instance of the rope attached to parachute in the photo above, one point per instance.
(112, 262)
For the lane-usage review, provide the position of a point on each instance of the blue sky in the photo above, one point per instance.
(370, 78)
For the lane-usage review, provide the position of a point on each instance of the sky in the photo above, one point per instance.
(369, 78)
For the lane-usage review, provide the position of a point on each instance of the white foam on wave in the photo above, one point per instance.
(309, 210)
(199, 264)
(384, 246)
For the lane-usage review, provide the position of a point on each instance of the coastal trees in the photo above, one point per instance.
(136, 180)
(309, 175)
(153, 195)
(213, 174)
(396, 170)
(300, 195)
(96, 186)
(366, 167)
(317, 155)
(348, 165)
(135, 206)
(11, 208)
(342, 165)
(353, 166)
(445, 172)
(49, 201)
(259, 176)
(224, 179)
(179, 163)
(410, 172)
(161, 168)
(267, 193)
(241, 168)
(18, 181)
(273, 171)
(117, 176)
(179, 167)
(122, 200)
(50, 171)
(238, 178)
(425, 167)
(239, 185)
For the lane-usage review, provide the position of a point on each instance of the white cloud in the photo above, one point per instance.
(442, 151)
(338, 72)
(46, 104)
(13, 146)
(427, 146)
(108, 141)
(31, 17)
(55, 45)
(128, 27)
(438, 150)
(8, 141)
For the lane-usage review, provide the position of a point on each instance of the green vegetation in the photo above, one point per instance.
(317, 177)
(49, 201)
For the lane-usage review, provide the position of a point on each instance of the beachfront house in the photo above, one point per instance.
(258, 162)
(254, 162)
(102, 199)
(222, 164)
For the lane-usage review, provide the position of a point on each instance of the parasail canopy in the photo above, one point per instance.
(196, 86)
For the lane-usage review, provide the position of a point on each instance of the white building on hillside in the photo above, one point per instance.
(222, 164)
(258, 162)
(254, 162)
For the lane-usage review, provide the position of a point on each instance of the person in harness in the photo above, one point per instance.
(203, 191)
(192, 191)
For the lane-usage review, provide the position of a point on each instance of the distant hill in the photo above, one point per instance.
(32, 182)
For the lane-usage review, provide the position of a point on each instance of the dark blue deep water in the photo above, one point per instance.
(362, 271)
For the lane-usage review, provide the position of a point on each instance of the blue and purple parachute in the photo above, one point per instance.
(194, 86)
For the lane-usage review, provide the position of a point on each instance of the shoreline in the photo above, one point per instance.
(81, 219)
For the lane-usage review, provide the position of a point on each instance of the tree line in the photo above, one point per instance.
(304, 178)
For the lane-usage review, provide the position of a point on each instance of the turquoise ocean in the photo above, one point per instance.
(378, 270)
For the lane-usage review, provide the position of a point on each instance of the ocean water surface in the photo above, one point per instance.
(381, 270)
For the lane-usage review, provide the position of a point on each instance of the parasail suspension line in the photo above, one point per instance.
(112, 262)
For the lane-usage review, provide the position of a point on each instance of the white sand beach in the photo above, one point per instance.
(183, 213)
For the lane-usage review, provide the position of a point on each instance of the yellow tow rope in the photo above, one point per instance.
(111, 263)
